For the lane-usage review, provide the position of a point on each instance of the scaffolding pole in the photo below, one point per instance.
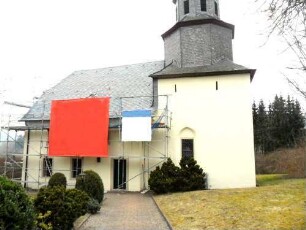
(150, 158)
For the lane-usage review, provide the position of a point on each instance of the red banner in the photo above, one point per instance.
(79, 127)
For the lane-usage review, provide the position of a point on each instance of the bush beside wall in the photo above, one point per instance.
(164, 179)
(170, 178)
(16, 208)
(191, 176)
(58, 179)
(65, 206)
(92, 184)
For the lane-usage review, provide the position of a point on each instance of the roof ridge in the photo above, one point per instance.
(116, 66)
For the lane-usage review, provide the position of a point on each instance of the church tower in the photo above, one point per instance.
(209, 96)
(200, 9)
(199, 37)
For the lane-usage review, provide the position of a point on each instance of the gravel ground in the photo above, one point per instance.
(124, 210)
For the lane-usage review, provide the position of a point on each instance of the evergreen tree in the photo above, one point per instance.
(255, 125)
(192, 176)
(262, 120)
(281, 126)
(279, 122)
(297, 121)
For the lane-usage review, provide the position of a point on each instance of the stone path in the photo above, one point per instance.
(127, 211)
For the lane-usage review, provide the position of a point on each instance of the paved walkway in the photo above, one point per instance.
(127, 211)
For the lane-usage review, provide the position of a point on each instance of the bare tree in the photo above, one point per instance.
(288, 19)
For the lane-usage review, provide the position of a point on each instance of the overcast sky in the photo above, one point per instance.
(43, 41)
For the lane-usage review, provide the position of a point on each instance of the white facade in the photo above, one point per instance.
(140, 157)
(214, 111)
(219, 121)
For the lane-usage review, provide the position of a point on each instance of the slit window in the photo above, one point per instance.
(216, 9)
(47, 167)
(186, 7)
(187, 148)
(217, 85)
(203, 5)
(76, 167)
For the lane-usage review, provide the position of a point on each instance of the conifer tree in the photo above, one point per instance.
(281, 126)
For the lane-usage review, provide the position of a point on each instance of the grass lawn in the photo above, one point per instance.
(277, 203)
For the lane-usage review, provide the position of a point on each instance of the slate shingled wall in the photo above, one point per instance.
(198, 45)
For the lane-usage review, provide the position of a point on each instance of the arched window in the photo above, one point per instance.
(187, 148)
(187, 142)
(216, 9)
(186, 7)
(203, 5)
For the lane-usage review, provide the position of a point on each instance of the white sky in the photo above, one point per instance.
(43, 41)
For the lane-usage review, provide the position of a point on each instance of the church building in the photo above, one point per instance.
(124, 121)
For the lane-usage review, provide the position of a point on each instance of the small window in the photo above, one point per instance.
(216, 8)
(187, 147)
(186, 7)
(76, 167)
(47, 167)
(217, 85)
(203, 5)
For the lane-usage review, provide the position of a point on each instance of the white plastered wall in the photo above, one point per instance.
(220, 122)
(133, 152)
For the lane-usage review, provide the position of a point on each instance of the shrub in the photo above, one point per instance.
(157, 181)
(41, 221)
(191, 176)
(93, 206)
(65, 206)
(16, 208)
(170, 178)
(164, 179)
(282, 161)
(58, 179)
(92, 184)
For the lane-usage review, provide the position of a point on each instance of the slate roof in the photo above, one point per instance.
(129, 87)
(222, 67)
(188, 21)
(115, 82)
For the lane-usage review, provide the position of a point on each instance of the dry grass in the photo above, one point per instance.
(277, 204)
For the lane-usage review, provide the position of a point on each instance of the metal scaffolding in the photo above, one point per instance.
(15, 156)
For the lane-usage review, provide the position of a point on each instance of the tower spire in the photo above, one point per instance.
(196, 9)
(199, 37)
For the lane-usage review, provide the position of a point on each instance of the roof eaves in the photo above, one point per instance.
(203, 74)
(199, 22)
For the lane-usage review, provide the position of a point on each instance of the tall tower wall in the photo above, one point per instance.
(198, 45)
(199, 37)
(195, 9)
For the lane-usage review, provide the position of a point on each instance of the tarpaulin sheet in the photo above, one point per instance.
(79, 127)
(136, 125)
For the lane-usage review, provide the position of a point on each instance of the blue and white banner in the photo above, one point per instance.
(136, 125)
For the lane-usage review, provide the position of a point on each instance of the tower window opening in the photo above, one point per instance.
(217, 85)
(186, 7)
(216, 9)
(203, 5)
